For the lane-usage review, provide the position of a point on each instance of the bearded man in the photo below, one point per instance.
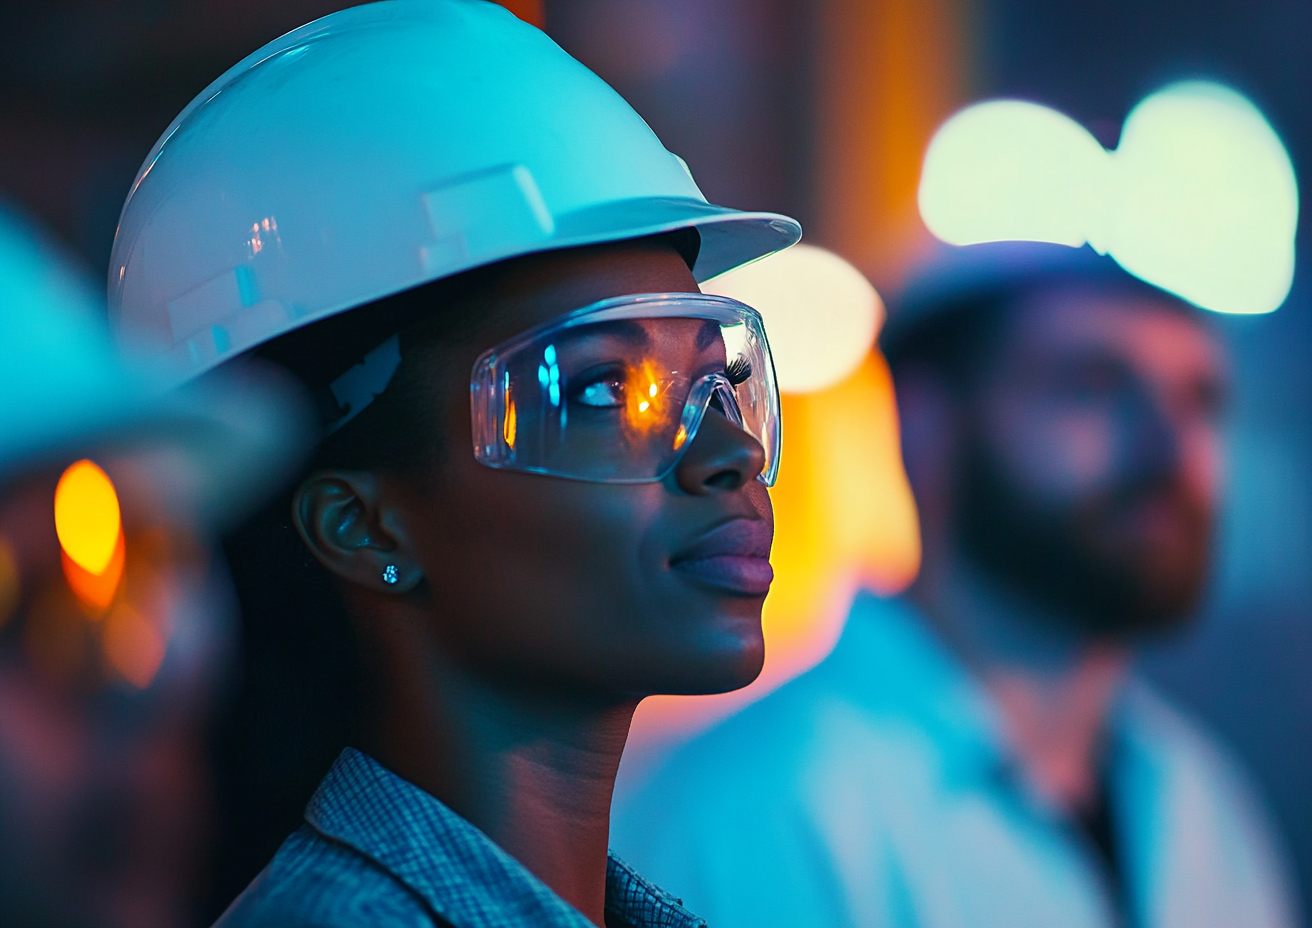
(978, 752)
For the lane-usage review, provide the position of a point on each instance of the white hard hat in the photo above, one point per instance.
(68, 393)
(380, 148)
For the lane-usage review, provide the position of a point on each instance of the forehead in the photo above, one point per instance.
(1150, 334)
(540, 288)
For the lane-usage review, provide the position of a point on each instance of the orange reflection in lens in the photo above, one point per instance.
(133, 645)
(645, 405)
(511, 424)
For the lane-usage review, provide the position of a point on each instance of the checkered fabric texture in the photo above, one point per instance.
(377, 850)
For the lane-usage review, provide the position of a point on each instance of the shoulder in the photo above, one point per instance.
(1171, 744)
(753, 823)
(760, 746)
(1202, 807)
(313, 882)
(849, 712)
(787, 764)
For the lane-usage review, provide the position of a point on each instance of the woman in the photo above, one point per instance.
(542, 494)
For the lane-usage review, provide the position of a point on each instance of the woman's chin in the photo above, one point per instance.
(734, 662)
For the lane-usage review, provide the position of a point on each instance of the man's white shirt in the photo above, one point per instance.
(877, 790)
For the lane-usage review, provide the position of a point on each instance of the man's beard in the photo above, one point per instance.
(1079, 562)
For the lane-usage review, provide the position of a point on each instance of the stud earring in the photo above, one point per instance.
(389, 574)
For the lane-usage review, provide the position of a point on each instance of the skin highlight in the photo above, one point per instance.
(1099, 417)
(533, 613)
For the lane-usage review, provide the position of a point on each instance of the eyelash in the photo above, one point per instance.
(738, 371)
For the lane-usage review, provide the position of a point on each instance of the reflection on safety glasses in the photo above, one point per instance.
(615, 392)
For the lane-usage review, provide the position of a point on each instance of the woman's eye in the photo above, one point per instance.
(602, 393)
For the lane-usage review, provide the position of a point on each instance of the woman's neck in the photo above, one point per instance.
(531, 767)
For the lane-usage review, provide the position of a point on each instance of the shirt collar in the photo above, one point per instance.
(461, 873)
(890, 662)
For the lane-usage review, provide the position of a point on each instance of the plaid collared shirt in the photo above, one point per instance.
(378, 851)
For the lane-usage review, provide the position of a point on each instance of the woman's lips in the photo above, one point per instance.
(734, 557)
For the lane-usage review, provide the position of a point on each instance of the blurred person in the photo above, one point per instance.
(114, 616)
(541, 493)
(978, 752)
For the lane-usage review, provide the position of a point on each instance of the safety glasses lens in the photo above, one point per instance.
(616, 392)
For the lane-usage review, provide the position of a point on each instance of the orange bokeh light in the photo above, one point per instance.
(87, 516)
(133, 645)
(89, 524)
(531, 11)
(10, 584)
(96, 590)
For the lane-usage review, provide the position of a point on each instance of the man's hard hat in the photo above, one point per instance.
(68, 393)
(953, 276)
(380, 148)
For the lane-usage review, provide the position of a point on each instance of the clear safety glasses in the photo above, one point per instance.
(615, 392)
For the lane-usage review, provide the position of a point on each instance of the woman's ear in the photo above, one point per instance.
(343, 519)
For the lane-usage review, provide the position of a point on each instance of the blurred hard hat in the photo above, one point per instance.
(952, 276)
(379, 148)
(66, 390)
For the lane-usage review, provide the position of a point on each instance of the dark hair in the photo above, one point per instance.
(303, 693)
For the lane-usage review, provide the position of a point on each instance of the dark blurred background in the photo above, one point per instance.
(819, 108)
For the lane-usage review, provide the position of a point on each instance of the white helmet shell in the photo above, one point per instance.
(380, 148)
(69, 393)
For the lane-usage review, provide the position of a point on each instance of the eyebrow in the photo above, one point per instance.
(626, 329)
(710, 331)
(633, 330)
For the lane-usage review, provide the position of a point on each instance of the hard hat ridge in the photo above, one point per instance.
(380, 148)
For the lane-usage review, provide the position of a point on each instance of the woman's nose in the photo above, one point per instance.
(722, 457)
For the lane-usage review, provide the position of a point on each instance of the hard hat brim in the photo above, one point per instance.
(383, 147)
(952, 275)
(730, 237)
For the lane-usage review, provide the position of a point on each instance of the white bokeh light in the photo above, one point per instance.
(1007, 170)
(821, 314)
(1199, 198)
(1208, 203)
